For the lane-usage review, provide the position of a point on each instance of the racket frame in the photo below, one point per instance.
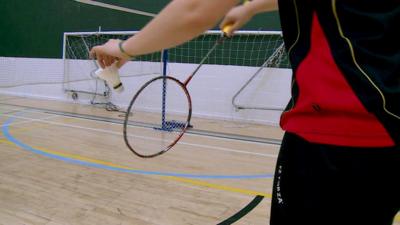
(128, 113)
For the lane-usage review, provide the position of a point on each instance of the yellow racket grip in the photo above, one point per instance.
(226, 29)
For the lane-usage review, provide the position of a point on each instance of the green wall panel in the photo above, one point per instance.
(34, 28)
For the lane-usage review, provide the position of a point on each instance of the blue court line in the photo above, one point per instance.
(9, 137)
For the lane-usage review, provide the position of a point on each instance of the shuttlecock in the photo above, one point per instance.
(111, 76)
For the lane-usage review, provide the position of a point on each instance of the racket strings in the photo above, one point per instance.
(159, 116)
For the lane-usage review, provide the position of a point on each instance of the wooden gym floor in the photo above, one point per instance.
(67, 164)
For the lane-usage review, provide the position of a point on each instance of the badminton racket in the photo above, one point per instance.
(159, 113)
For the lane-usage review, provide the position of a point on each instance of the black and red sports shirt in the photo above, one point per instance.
(345, 57)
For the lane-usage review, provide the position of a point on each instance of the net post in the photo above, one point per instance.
(64, 62)
(164, 88)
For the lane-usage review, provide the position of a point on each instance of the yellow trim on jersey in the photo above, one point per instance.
(291, 47)
(356, 63)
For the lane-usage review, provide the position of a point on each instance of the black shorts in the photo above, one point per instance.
(318, 184)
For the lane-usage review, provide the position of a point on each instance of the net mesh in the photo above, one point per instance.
(79, 68)
(16, 72)
(243, 49)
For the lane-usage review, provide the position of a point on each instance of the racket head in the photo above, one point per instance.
(157, 117)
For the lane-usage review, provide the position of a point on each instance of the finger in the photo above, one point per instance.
(110, 60)
(101, 62)
(113, 60)
(92, 53)
(106, 61)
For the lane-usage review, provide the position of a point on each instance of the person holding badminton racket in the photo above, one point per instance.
(178, 22)
(340, 156)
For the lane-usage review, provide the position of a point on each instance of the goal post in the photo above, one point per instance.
(251, 62)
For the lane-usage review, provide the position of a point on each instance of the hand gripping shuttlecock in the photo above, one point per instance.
(111, 76)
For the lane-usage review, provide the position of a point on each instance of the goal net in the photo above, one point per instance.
(249, 57)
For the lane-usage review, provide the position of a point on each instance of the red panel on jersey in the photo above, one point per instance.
(327, 110)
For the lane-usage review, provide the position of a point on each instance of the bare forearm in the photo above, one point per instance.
(179, 22)
(259, 6)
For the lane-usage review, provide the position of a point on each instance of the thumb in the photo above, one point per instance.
(231, 28)
(92, 53)
(225, 22)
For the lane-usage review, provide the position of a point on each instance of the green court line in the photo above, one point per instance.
(246, 210)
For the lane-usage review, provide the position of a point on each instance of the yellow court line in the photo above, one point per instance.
(217, 186)
(6, 142)
(178, 179)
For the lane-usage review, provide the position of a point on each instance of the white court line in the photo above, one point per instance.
(115, 7)
(207, 147)
(231, 150)
(186, 134)
(4, 107)
(29, 120)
